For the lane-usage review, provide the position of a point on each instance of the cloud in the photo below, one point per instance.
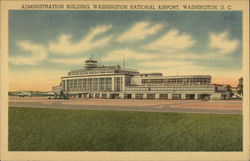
(172, 41)
(222, 43)
(173, 67)
(164, 64)
(197, 56)
(128, 54)
(64, 45)
(139, 31)
(37, 53)
(68, 61)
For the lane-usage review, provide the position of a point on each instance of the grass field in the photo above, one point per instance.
(82, 130)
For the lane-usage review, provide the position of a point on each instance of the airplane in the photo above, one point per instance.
(49, 94)
(54, 95)
(24, 94)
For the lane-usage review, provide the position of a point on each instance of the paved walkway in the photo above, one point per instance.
(182, 106)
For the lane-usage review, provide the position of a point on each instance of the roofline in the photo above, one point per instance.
(75, 76)
(190, 76)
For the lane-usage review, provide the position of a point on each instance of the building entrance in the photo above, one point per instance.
(114, 96)
(163, 96)
(205, 96)
(85, 95)
(190, 96)
(176, 96)
(91, 95)
(97, 95)
(128, 96)
(150, 96)
(139, 96)
(104, 96)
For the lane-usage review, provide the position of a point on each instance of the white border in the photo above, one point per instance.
(114, 156)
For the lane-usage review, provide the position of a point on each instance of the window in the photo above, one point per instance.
(108, 84)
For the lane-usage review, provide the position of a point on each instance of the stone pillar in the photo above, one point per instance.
(144, 95)
(121, 95)
(183, 96)
(108, 95)
(98, 84)
(169, 96)
(195, 96)
(123, 83)
(105, 84)
(113, 83)
(157, 96)
(133, 95)
(66, 85)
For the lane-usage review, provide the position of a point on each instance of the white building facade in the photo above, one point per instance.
(115, 82)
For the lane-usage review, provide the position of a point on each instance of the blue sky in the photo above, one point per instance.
(171, 42)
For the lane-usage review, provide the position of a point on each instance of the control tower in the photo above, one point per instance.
(90, 63)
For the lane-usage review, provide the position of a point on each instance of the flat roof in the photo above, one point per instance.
(100, 68)
(190, 76)
(179, 76)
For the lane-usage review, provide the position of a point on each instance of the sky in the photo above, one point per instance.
(45, 45)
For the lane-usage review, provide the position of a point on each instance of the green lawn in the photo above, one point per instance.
(82, 130)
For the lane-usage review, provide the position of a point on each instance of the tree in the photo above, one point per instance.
(229, 91)
(229, 88)
(240, 87)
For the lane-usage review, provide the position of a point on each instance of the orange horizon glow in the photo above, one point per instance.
(33, 87)
(39, 80)
(233, 83)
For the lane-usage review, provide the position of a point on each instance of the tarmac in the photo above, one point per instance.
(180, 106)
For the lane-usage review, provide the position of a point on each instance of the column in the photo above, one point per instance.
(105, 84)
(133, 95)
(183, 96)
(92, 80)
(144, 95)
(66, 85)
(113, 83)
(121, 83)
(170, 96)
(87, 84)
(121, 95)
(98, 84)
(157, 96)
(195, 96)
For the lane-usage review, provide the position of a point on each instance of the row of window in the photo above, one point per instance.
(90, 72)
(170, 89)
(177, 81)
(93, 84)
(103, 71)
(126, 72)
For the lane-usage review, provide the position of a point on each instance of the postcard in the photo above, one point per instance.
(124, 80)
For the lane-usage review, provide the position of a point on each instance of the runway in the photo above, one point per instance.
(181, 106)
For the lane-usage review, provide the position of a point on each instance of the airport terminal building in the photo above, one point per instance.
(96, 81)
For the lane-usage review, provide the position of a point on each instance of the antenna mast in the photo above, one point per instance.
(123, 60)
(99, 59)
